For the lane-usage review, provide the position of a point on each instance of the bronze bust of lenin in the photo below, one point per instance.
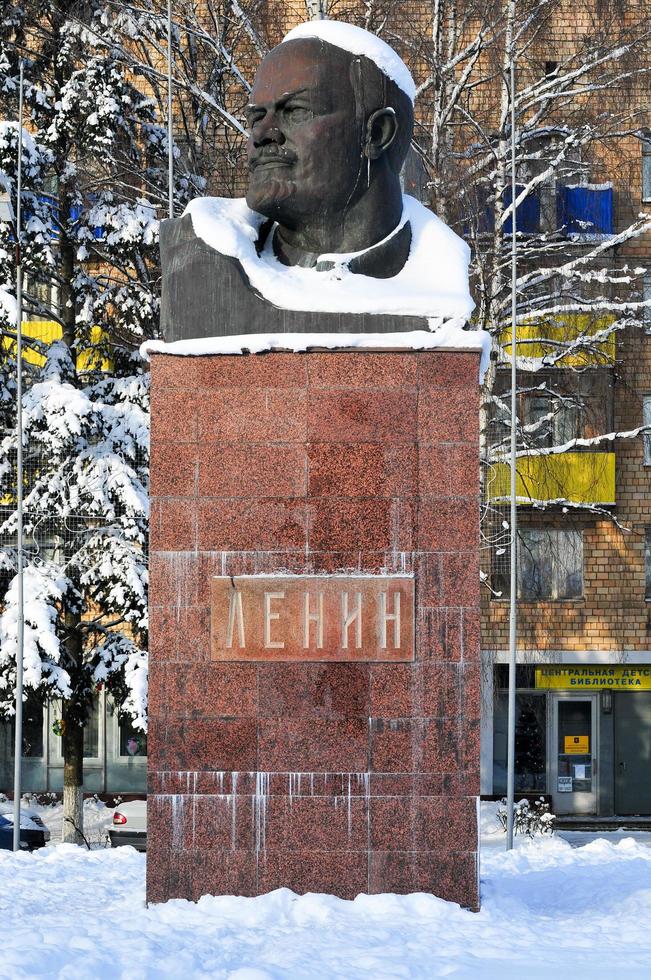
(325, 241)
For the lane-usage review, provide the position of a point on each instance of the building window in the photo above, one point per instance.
(647, 563)
(133, 742)
(646, 298)
(32, 729)
(550, 565)
(91, 732)
(646, 172)
(551, 420)
(530, 741)
(646, 420)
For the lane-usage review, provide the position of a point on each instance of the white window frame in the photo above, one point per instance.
(646, 298)
(646, 436)
(646, 172)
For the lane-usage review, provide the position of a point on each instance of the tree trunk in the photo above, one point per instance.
(73, 778)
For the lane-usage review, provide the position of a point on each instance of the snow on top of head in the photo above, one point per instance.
(358, 41)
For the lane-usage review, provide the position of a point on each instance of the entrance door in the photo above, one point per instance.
(633, 752)
(574, 754)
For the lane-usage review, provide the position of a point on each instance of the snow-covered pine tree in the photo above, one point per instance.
(94, 163)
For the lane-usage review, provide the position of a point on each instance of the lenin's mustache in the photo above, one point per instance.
(272, 154)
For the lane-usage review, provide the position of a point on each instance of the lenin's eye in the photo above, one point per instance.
(297, 113)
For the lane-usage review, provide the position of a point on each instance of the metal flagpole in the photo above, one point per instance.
(170, 154)
(18, 743)
(510, 763)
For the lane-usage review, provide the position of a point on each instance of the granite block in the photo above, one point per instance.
(367, 523)
(316, 823)
(415, 745)
(251, 471)
(229, 371)
(208, 782)
(439, 634)
(372, 370)
(385, 417)
(393, 690)
(423, 823)
(448, 415)
(173, 524)
(460, 578)
(409, 784)
(471, 674)
(173, 414)
(311, 690)
(469, 747)
(169, 875)
(453, 877)
(439, 690)
(308, 745)
(442, 744)
(448, 523)
(174, 579)
(342, 873)
(361, 470)
(458, 369)
(429, 579)
(174, 468)
(471, 626)
(251, 415)
(252, 524)
(210, 691)
(179, 633)
(225, 871)
(200, 743)
(222, 822)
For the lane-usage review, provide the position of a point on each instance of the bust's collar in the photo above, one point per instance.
(383, 260)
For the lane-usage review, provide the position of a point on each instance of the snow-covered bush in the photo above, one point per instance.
(529, 819)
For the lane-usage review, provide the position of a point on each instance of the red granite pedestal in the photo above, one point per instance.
(328, 777)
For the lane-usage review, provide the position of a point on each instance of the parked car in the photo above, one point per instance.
(33, 832)
(130, 825)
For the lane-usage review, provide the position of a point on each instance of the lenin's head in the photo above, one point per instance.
(325, 125)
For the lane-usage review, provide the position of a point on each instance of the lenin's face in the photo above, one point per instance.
(305, 145)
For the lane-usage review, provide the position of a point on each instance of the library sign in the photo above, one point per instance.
(312, 617)
(618, 677)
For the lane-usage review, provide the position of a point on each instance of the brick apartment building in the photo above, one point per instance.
(583, 731)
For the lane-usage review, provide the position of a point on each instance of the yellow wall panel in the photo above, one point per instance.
(583, 478)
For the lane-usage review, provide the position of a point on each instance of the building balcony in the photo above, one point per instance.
(577, 477)
(588, 339)
(48, 331)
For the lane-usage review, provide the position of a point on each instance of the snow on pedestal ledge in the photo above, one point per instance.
(449, 337)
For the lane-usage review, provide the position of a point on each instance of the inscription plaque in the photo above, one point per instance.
(312, 617)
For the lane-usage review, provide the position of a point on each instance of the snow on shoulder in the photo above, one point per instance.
(433, 283)
(358, 41)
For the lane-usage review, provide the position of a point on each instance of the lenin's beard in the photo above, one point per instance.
(268, 197)
(271, 185)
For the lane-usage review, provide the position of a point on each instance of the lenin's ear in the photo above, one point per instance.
(381, 130)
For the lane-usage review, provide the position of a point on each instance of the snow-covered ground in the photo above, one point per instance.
(549, 911)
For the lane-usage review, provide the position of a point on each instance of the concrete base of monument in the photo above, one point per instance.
(314, 640)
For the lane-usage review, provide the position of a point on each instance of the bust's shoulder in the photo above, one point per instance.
(176, 231)
(226, 225)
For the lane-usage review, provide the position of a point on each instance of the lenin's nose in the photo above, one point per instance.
(265, 133)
